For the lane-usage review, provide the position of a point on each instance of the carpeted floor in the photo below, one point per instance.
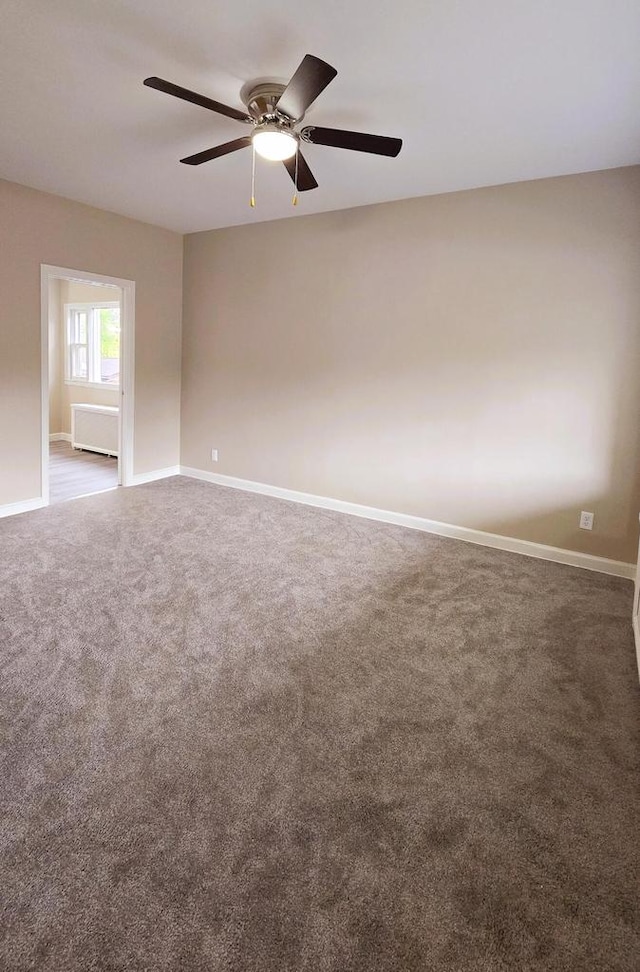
(241, 735)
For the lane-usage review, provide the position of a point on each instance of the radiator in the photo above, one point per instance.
(95, 428)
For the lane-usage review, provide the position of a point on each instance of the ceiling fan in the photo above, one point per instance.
(274, 110)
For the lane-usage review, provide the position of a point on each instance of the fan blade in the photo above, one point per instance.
(196, 99)
(305, 175)
(311, 77)
(356, 141)
(217, 151)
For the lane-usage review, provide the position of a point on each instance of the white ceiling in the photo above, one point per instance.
(483, 92)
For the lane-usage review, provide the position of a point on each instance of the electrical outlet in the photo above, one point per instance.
(586, 521)
(214, 455)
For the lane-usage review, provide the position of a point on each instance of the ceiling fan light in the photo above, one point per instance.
(274, 144)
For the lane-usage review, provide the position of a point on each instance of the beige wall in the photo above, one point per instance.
(472, 358)
(75, 293)
(37, 228)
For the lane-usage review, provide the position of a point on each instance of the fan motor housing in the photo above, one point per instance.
(261, 98)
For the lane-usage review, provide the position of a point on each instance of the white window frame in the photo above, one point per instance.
(93, 344)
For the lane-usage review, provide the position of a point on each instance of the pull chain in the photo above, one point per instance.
(295, 181)
(253, 176)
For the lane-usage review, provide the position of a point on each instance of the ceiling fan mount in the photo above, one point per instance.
(274, 110)
(261, 98)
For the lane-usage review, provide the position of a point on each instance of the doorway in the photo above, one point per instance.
(87, 383)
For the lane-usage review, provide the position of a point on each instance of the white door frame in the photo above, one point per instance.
(127, 345)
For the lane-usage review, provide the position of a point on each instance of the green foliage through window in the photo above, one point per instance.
(110, 332)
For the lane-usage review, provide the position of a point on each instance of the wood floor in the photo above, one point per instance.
(74, 473)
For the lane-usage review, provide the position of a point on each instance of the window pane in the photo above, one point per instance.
(110, 345)
(74, 328)
(79, 362)
(81, 319)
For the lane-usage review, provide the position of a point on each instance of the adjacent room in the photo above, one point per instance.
(84, 388)
(346, 300)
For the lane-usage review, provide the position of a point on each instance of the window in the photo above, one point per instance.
(93, 344)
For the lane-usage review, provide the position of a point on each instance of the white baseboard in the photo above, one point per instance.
(24, 506)
(138, 479)
(542, 552)
(59, 437)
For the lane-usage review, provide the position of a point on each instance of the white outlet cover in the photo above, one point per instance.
(586, 520)
(214, 455)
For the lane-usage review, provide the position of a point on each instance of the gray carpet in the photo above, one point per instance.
(244, 735)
